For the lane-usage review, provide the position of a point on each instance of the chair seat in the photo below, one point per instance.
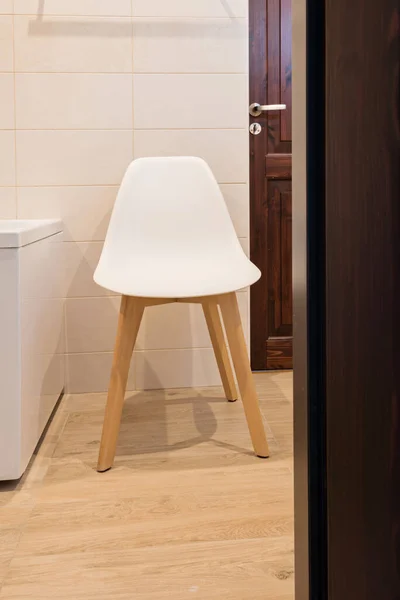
(181, 278)
(171, 235)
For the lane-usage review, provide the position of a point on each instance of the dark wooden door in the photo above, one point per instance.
(347, 297)
(362, 170)
(271, 184)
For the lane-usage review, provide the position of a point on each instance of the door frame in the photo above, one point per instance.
(258, 187)
(347, 393)
(311, 534)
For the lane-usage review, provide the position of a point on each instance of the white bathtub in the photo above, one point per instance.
(31, 336)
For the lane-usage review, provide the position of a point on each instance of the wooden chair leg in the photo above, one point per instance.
(211, 313)
(237, 344)
(130, 316)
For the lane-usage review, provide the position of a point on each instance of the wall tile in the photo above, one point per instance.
(72, 157)
(159, 369)
(237, 200)
(226, 151)
(81, 261)
(245, 242)
(6, 44)
(190, 45)
(74, 101)
(190, 101)
(91, 324)
(91, 373)
(85, 210)
(8, 203)
(7, 101)
(177, 326)
(174, 326)
(243, 301)
(6, 7)
(190, 8)
(7, 158)
(118, 8)
(73, 44)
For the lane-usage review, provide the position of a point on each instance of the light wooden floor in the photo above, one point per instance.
(187, 512)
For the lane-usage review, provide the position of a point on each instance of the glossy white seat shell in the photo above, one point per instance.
(170, 234)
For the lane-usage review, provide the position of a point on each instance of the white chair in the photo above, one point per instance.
(171, 239)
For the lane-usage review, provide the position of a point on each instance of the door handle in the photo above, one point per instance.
(257, 109)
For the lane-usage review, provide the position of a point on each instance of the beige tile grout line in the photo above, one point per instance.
(15, 115)
(84, 185)
(217, 73)
(143, 350)
(136, 17)
(119, 129)
(135, 375)
(66, 353)
(132, 75)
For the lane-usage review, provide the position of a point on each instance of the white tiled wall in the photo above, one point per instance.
(85, 86)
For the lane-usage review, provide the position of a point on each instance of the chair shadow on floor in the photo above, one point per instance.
(163, 422)
(161, 431)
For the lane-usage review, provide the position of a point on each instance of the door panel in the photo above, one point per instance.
(271, 191)
(286, 69)
(280, 249)
(278, 39)
(279, 342)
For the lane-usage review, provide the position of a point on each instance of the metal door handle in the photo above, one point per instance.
(257, 109)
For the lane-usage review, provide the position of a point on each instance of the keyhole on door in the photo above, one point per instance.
(255, 128)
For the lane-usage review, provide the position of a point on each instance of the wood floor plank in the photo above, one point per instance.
(210, 568)
(187, 512)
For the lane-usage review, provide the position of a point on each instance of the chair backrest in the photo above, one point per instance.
(169, 206)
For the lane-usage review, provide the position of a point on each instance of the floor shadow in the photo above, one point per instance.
(148, 426)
